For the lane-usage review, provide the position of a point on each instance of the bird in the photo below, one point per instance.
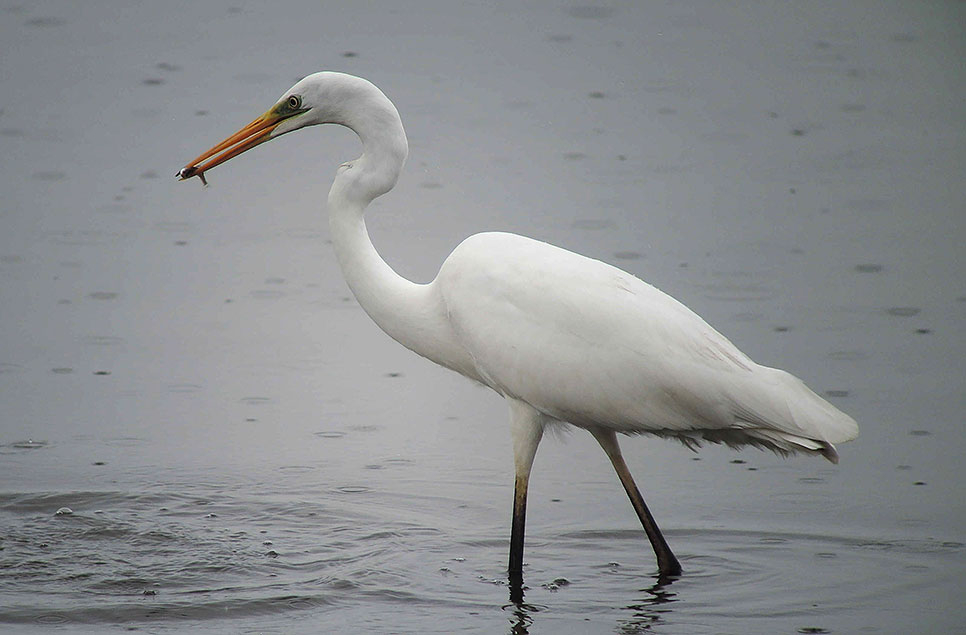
(565, 339)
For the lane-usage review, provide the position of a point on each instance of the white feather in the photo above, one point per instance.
(586, 343)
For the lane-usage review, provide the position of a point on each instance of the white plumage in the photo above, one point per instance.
(562, 337)
(588, 344)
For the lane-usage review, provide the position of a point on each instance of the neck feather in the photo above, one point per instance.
(405, 310)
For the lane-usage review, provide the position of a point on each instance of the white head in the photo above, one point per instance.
(321, 98)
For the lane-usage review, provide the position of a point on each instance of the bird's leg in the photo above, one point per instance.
(668, 566)
(517, 531)
(526, 430)
(518, 526)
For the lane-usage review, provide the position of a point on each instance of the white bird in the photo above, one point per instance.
(564, 338)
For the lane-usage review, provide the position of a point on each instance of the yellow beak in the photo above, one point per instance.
(255, 133)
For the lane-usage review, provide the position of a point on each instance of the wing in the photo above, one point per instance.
(589, 344)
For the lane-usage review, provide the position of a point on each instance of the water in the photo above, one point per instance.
(241, 450)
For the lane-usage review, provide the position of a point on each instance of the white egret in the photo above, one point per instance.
(564, 338)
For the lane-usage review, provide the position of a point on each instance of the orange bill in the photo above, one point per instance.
(255, 133)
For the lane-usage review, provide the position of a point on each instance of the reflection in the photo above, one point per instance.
(520, 624)
(650, 610)
(521, 620)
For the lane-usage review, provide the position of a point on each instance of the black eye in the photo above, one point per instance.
(294, 102)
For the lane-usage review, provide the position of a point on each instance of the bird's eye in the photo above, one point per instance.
(294, 102)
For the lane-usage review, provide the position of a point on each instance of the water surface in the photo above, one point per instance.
(232, 446)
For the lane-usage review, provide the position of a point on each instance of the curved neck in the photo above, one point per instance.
(401, 308)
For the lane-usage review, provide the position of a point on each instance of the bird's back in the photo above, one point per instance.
(591, 345)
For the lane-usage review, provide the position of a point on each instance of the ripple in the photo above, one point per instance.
(733, 566)
(153, 561)
(28, 444)
(773, 540)
(353, 489)
(50, 619)
(296, 469)
(397, 460)
(330, 434)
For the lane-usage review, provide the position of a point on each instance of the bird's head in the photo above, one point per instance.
(320, 98)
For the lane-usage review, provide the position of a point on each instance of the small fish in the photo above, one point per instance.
(187, 173)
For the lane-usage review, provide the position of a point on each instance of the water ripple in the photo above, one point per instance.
(209, 551)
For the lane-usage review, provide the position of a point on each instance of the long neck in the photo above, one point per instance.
(401, 308)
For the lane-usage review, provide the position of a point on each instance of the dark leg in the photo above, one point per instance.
(667, 564)
(526, 430)
(518, 527)
(517, 532)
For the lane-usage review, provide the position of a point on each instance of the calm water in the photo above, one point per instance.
(201, 430)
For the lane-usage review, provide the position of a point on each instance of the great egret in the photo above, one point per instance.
(564, 338)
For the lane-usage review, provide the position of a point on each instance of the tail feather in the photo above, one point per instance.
(780, 443)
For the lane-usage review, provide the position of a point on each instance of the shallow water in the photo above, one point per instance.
(234, 447)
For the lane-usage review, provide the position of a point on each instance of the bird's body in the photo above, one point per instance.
(588, 344)
(562, 337)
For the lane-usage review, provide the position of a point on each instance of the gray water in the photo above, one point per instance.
(241, 450)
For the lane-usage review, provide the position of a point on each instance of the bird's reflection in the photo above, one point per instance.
(522, 612)
(652, 608)
(521, 621)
